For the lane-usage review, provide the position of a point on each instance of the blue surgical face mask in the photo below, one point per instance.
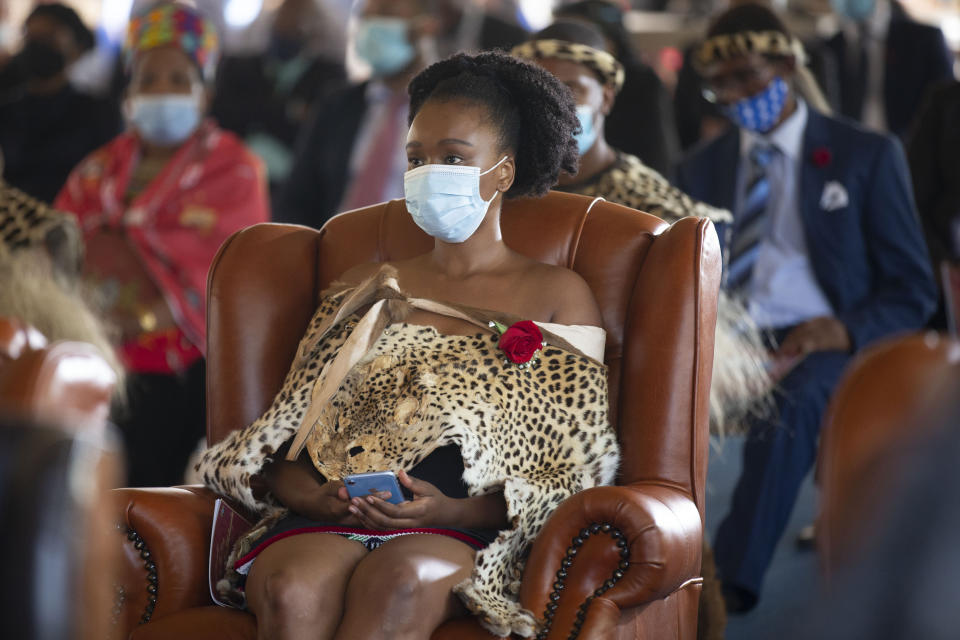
(588, 129)
(856, 10)
(759, 112)
(384, 44)
(165, 119)
(444, 200)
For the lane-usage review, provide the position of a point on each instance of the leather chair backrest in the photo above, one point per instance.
(876, 410)
(656, 287)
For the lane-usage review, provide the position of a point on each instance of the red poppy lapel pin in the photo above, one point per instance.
(821, 157)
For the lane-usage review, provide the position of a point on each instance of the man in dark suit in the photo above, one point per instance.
(351, 151)
(825, 251)
(886, 61)
(266, 97)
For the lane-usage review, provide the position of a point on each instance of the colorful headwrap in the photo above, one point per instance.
(171, 24)
(734, 45)
(602, 63)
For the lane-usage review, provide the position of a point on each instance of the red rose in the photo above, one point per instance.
(521, 341)
(821, 157)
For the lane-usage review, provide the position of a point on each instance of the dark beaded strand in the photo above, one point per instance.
(565, 564)
(151, 568)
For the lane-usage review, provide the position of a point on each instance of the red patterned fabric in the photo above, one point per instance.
(211, 187)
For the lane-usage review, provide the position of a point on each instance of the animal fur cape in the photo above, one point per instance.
(538, 435)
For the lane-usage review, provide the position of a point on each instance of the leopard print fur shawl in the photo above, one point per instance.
(538, 435)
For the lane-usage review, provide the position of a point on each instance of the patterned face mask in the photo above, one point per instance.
(760, 112)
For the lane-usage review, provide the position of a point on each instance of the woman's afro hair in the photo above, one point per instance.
(535, 113)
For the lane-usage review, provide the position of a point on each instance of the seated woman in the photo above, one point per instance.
(403, 368)
(154, 206)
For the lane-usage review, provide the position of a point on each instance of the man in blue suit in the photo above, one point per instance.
(825, 250)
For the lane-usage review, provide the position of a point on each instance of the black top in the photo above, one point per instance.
(44, 137)
(250, 99)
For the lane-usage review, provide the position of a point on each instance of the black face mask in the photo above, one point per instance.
(40, 60)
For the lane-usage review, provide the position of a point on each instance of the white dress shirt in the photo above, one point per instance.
(783, 290)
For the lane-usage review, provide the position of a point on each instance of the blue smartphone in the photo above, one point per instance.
(363, 484)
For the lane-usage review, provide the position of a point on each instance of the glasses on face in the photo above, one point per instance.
(743, 82)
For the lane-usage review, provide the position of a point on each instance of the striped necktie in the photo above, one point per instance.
(751, 224)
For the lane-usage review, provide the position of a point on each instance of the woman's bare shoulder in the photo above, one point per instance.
(568, 294)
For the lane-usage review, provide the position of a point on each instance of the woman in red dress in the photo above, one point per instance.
(154, 205)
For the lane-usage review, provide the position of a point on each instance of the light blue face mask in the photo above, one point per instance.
(760, 112)
(166, 119)
(384, 44)
(588, 130)
(444, 200)
(856, 10)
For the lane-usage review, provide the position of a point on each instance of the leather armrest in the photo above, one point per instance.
(661, 540)
(172, 530)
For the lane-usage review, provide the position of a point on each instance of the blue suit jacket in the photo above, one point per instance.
(869, 257)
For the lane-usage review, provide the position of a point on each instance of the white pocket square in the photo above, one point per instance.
(834, 196)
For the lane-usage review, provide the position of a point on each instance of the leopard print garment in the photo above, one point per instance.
(539, 435)
(26, 223)
(741, 385)
(633, 184)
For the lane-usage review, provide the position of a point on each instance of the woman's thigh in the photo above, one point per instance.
(300, 570)
(405, 588)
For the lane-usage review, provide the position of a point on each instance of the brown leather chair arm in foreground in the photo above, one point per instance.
(168, 534)
(642, 543)
(656, 286)
(65, 383)
(876, 413)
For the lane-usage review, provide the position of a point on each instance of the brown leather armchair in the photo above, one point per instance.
(876, 412)
(631, 552)
(66, 383)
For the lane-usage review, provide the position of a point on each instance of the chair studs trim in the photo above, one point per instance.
(152, 582)
(575, 544)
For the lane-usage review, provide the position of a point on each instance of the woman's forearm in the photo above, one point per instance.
(482, 512)
(293, 484)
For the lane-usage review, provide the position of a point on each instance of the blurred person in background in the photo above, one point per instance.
(824, 250)
(933, 151)
(641, 121)
(886, 62)
(266, 97)
(154, 206)
(46, 125)
(469, 27)
(352, 152)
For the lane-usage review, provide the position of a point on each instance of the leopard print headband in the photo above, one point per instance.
(602, 63)
(733, 45)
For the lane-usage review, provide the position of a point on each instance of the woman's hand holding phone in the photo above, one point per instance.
(430, 507)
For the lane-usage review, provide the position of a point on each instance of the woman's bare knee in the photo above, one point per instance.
(291, 595)
(297, 589)
(404, 590)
